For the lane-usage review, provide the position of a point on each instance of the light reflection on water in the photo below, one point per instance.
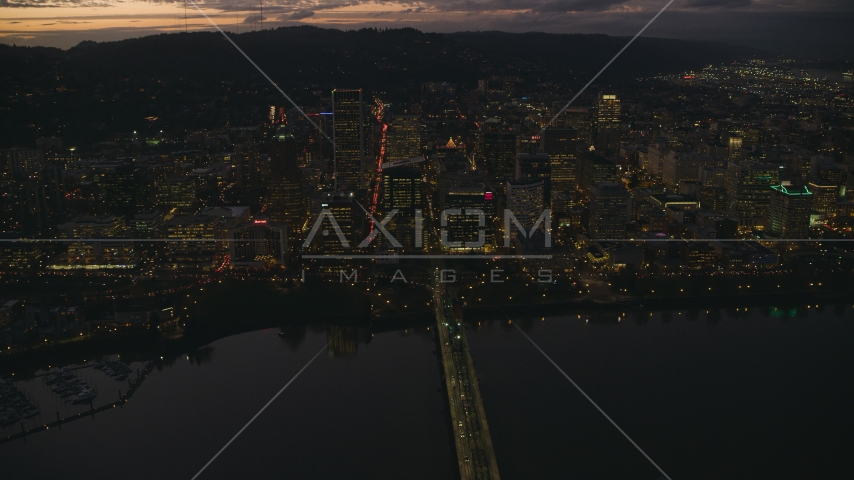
(371, 405)
(690, 386)
(719, 393)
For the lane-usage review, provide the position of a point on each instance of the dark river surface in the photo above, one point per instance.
(730, 394)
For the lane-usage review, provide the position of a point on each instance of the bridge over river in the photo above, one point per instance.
(473, 443)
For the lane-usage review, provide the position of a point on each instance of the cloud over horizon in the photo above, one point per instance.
(784, 25)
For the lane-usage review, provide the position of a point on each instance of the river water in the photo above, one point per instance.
(763, 393)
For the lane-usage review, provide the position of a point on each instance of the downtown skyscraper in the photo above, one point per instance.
(608, 125)
(284, 193)
(789, 213)
(404, 137)
(348, 136)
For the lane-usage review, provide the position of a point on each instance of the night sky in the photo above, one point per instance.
(791, 27)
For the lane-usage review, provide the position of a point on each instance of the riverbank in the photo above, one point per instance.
(588, 306)
(230, 311)
(146, 345)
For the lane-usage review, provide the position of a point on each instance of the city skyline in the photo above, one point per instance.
(350, 254)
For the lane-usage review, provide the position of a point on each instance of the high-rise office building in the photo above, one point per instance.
(536, 166)
(284, 190)
(470, 200)
(579, 119)
(527, 143)
(734, 148)
(194, 242)
(176, 193)
(824, 198)
(247, 167)
(749, 190)
(36, 204)
(20, 256)
(713, 198)
(655, 158)
(697, 256)
(117, 185)
(499, 151)
(448, 157)
(449, 149)
(559, 140)
(680, 166)
(22, 163)
(561, 145)
(402, 190)
(109, 248)
(593, 168)
(148, 224)
(348, 135)
(258, 243)
(346, 213)
(610, 210)
(403, 138)
(608, 124)
(526, 201)
(831, 174)
(144, 191)
(789, 211)
(109, 226)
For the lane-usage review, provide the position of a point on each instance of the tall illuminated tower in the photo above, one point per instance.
(610, 210)
(749, 190)
(285, 198)
(499, 148)
(348, 135)
(608, 124)
(560, 144)
(402, 190)
(404, 137)
(790, 211)
(525, 200)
